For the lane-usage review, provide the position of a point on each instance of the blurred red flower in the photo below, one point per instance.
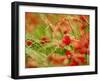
(66, 40)
(29, 43)
(68, 54)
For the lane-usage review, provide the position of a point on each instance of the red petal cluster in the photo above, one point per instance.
(66, 40)
(29, 43)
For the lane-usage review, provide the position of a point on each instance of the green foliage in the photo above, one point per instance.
(70, 47)
(87, 29)
(39, 31)
(42, 30)
(86, 56)
(28, 36)
(76, 30)
(60, 51)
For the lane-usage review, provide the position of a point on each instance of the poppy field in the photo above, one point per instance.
(56, 40)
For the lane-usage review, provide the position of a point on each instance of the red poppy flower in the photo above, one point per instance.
(73, 63)
(88, 51)
(68, 54)
(82, 27)
(66, 40)
(83, 50)
(86, 44)
(83, 18)
(29, 43)
(82, 59)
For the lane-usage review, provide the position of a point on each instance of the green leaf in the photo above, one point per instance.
(39, 31)
(70, 47)
(42, 30)
(86, 56)
(28, 36)
(60, 51)
(71, 33)
(48, 32)
(76, 30)
(87, 29)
